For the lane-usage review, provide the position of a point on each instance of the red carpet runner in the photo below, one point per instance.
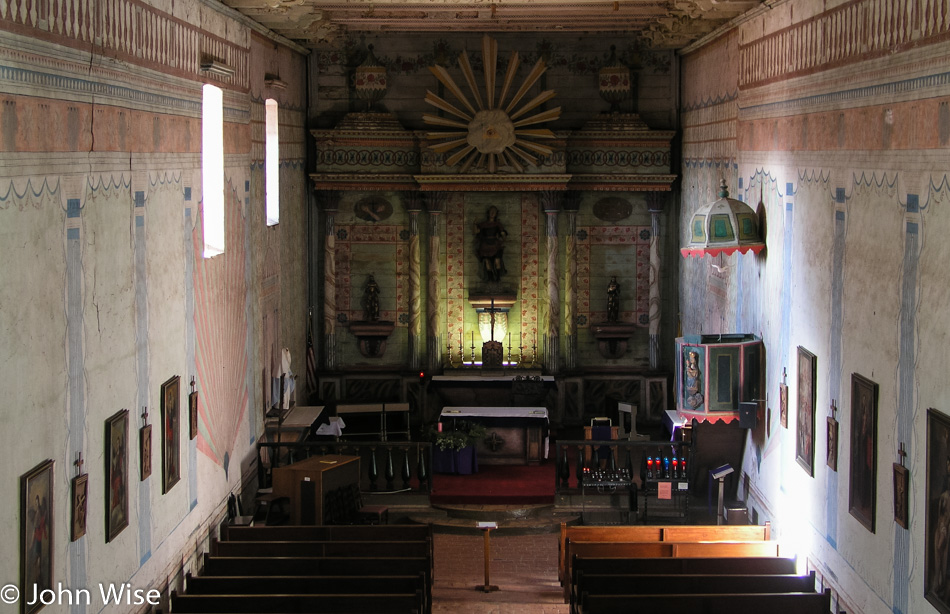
(497, 485)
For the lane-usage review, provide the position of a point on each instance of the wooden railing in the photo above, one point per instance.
(384, 466)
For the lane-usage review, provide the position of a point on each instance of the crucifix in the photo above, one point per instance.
(145, 415)
(901, 453)
(834, 409)
(78, 462)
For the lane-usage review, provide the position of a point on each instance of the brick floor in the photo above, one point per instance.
(524, 567)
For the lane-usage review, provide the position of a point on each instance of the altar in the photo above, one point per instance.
(515, 435)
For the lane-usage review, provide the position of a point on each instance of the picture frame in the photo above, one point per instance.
(193, 415)
(937, 512)
(171, 428)
(805, 425)
(80, 491)
(145, 452)
(862, 486)
(36, 533)
(783, 405)
(117, 474)
(832, 453)
(901, 495)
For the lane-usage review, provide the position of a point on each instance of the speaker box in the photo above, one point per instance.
(747, 414)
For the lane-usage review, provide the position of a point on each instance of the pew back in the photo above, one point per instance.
(402, 532)
(728, 603)
(322, 548)
(282, 604)
(642, 533)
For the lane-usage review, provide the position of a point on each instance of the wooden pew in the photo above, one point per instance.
(707, 566)
(727, 603)
(390, 532)
(634, 533)
(309, 566)
(320, 566)
(302, 585)
(308, 585)
(643, 533)
(282, 604)
(618, 584)
(322, 548)
(722, 533)
(666, 549)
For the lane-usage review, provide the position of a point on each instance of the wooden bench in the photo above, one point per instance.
(302, 585)
(726, 603)
(309, 585)
(669, 565)
(401, 532)
(643, 533)
(319, 566)
(392, 532)
(618, 584)
(339, 603)
(666, 549)
(339, 548)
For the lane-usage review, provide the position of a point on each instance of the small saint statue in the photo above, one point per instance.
(490, 238)
(694, 381)
(371, 300)
(613, 300)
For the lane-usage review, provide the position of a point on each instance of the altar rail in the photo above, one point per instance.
(576, 459)
(384, 467)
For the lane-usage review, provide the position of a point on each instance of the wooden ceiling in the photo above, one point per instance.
(662, 24)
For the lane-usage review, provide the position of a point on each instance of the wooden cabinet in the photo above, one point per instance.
(306, 483)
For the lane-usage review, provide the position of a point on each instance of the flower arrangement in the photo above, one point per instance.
(457, 435)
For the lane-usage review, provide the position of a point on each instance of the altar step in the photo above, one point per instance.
(511, 519)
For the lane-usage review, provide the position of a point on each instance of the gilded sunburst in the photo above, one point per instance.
(490, 132)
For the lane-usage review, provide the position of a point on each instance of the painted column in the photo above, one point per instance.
(75, 368)
(414, 207)
(190, 341)
(655, 203)
(329, 201)
(142, 368)
(434, 204)
(835, 350)
(906, 387)
(571, 205)
(550, 203)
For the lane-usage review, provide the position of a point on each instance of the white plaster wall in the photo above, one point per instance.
(893, 323)
(78, 344)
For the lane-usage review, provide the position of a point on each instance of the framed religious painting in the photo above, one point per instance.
(80, 489)
(783, 405)
(171, 428)
(117, 474)
(145, 452)
(862, 487)
(901, 495)
(36, 534)
(937, 511)
(193, 415)
(805, 425)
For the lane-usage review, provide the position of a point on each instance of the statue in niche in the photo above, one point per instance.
(371, 300)
(490, 246)
(613, 300)
(694, 396)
